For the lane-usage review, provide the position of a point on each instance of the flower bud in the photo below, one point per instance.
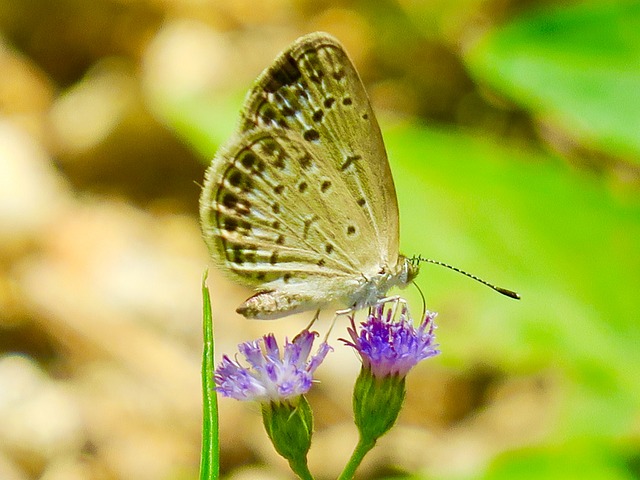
(376, 403)
(289, 426)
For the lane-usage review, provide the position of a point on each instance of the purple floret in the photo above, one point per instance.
(393, 347)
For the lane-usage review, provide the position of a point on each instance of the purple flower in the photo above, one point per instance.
(271, 377)
(393, 347)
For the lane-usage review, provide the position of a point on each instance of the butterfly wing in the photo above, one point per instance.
(270, 212)
(313, 89)
(301, 201)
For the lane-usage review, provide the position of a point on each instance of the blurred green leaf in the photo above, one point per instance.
(203, 121)
(573, 460)
(577, 67)
(566, 242)
(561, 463)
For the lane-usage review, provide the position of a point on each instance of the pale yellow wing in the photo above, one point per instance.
(303, 192)
(269, 212)
(313, 89)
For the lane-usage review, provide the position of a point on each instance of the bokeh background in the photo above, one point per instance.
(513, 131)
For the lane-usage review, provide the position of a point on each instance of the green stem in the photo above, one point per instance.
(301, 469)
(210, 456)
(356, 459)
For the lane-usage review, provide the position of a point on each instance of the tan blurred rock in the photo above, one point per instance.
(108, 259)
(331, 449)
(32, 193)
(68, 468)
(9, 470)
(256, 473)
(85, 114)
(26, 92)
(203, 54)
(118, 290)
(39, 418)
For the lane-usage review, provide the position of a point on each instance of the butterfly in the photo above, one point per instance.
(300, 203)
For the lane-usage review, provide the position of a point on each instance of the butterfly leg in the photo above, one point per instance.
(314, 319)
(339, 313)
(345, 311)
(396, 300)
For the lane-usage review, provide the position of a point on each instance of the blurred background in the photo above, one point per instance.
(513, 132)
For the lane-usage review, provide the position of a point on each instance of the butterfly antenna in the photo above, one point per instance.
(504, 291)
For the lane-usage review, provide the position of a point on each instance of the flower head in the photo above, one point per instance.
(389, 348)
(272, 376)
(393, 347)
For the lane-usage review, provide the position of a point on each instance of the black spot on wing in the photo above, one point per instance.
(285, 73)
(349, 161)
(230, 224)
(325, 185)
(311, 135)
(230, 200)
(305, 162)
(317, 116)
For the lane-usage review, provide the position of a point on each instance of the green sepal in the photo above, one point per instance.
(290, 427)
(376, 403)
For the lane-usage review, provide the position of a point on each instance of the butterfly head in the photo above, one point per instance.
(410, 269)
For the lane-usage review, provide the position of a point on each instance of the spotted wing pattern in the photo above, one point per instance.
(303, 192)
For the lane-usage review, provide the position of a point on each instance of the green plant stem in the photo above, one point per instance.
(210, 455)
(301, 469)
(358, 454)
